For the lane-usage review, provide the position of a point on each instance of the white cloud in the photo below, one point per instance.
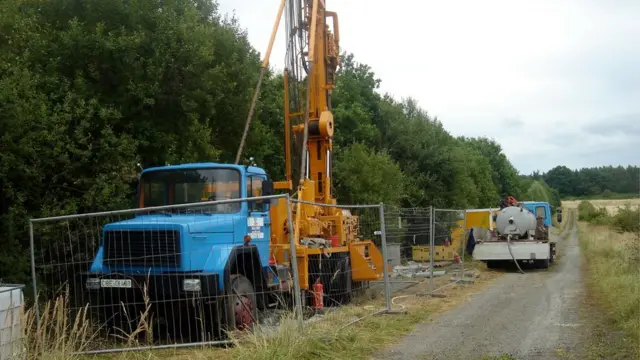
(557, 67)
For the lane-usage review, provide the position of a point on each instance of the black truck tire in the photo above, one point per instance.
(241, 304)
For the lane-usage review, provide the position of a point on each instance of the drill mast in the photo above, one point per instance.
(311, 64)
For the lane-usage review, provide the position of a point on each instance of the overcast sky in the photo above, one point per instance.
(555, 82)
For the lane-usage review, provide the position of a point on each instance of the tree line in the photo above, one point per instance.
(92, 90)
(602, 182)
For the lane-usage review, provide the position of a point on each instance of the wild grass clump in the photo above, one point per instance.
(329, 338)
(57, 335)
(613, 270)
(64, 332)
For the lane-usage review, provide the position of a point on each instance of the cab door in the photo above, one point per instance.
(258, 221)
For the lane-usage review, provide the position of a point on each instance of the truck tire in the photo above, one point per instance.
(348, 282)
(542, 264)
(241, 304)
(340, 287)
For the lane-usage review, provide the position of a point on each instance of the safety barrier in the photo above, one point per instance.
(201, 273)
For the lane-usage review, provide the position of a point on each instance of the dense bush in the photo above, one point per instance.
(588, 212)
(627, 219)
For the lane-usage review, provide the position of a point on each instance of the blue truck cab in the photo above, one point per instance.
(201, 251)
(540, 209)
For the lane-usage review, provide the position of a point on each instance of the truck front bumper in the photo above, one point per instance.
(499, 250)
(115, 288)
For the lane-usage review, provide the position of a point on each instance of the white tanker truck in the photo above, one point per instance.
(522, 237)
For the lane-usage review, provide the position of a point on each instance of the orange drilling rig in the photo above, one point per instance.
(327, 237)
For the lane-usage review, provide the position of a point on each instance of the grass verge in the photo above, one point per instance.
(613, 291)
(328, 338)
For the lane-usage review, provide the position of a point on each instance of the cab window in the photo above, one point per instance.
(186, 186)
(254, 189)
(541, 212)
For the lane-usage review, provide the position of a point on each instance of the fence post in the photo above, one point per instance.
(465, 236)
(431, 246)
(294, 266)
(33, 275)
(385, 260)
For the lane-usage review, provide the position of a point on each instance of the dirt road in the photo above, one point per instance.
(530, 316)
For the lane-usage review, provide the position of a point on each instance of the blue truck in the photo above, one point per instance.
(209, 260)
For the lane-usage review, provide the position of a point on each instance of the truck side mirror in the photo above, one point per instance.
(559, 217)
(267, 188)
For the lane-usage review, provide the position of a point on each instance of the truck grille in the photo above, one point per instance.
(148, 248)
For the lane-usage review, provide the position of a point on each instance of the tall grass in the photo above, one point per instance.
(55, 336)
(613, 275)
(64, 332)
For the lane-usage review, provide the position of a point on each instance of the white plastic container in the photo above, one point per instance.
(11, 302)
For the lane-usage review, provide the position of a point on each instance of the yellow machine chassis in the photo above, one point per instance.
(365, 258)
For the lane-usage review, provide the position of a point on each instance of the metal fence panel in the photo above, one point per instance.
(426, 248)
(408, 244)
(450, 234)
(346, 257)
(159, 276)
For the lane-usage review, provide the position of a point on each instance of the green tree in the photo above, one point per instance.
(363, 176)
(504, 174)
(91, 88)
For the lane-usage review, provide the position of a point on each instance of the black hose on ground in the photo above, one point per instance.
(511, 252)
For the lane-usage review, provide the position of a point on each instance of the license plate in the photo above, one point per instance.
(115, 283)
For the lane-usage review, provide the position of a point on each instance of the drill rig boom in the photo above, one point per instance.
(312, 57)
(309, 79)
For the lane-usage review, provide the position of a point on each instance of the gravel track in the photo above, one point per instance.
(530, 316)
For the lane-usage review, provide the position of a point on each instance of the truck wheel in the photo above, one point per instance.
(242, 306)
(542, 264)
(348, 282)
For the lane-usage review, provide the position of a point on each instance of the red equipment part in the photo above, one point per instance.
(243, 312)
(512, 201)
(317, 296)
(335, 240)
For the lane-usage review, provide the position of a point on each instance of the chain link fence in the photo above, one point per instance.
(196, 274)
(345, 256)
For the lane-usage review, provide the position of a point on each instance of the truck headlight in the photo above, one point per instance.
(191, 284)
(92, 283)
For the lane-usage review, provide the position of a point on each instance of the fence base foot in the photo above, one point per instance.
(432, 295)
(462, 281)
(319, 311)
(394, 312)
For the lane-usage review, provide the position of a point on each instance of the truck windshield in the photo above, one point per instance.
(173, 187)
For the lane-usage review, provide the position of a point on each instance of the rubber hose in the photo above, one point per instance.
(511, 252)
